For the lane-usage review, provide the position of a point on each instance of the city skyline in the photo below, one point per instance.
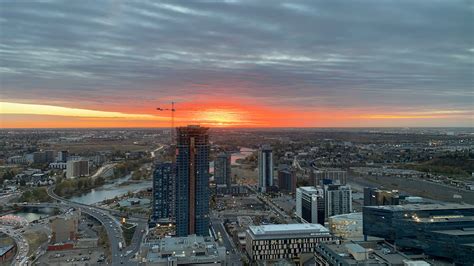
(241, 64)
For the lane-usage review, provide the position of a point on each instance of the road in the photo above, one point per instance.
(103, 169)
(111, 225)
(233, 258)
(23, 248)
(153, 153)
(273, 206)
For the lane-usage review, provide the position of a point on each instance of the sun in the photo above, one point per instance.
(219, 117)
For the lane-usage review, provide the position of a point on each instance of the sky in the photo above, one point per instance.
(237, 63)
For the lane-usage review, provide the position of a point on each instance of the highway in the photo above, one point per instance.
(21, 257)
(103, 169)
(111, 225)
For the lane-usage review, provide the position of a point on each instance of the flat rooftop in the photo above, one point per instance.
(423, 207)
(343, 253)
(288, 229)
(456, 232)
(309, 189)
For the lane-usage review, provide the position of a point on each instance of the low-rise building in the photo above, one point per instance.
(347, 226)
(65, 227)
(284, 241)
(190, 250)
(350, 253)
(6, 253)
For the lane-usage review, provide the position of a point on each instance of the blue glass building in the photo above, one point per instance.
(192, 181)
(439, 230)
(163, 193)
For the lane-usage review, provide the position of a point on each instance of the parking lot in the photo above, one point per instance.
(78, 257)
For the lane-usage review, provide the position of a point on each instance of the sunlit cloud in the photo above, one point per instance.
(37, 109)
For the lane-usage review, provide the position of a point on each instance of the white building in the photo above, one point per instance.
(310, 204)
(58, 165)
(284, 241)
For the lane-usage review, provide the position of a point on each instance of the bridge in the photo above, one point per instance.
(120, 254)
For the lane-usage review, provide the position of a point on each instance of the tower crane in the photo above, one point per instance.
(172, 110)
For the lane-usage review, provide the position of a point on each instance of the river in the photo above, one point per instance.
(244, 152)
(111, 190)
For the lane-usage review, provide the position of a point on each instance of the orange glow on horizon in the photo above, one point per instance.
(209, 112)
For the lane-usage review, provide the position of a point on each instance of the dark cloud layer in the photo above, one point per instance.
(362, 54)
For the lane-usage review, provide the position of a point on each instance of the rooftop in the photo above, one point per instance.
(348, 216)
(288, 229)
(457, 232)
(187, 250)
(422, 207)
(309, 189)
(5, 249)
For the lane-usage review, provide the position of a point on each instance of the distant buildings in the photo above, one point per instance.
(310, 204)
(65, 227)
(192, 181)
(338, 199)
(17, 160)
(378, 197)
(222, 169)
(49, 156)
(77, 168)
(234, 189)
(63, 156)
(39, 157)
(441, 230)
(265, 168)
(323, 177)
(44, 156)
(190, 250)
(287, 180)
(283, 241)
(163, 193)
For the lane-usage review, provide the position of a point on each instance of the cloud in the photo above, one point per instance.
(302, 54)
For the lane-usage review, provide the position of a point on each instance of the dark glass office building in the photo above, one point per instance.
(192, 181)
(222, 170)
(265, 168)
(287, 180)
(163, 193)
(439, 230)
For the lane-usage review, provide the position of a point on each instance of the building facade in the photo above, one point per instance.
(265, 168)
(310, 204)
(163, 193)
(379, 197)
(192, 181)
(283, 241)
(441, 230)
(65, 227)
(77, 168)
(63, 156)
(321, 177)
(338, 200)
(222, 169)
(287, 180)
